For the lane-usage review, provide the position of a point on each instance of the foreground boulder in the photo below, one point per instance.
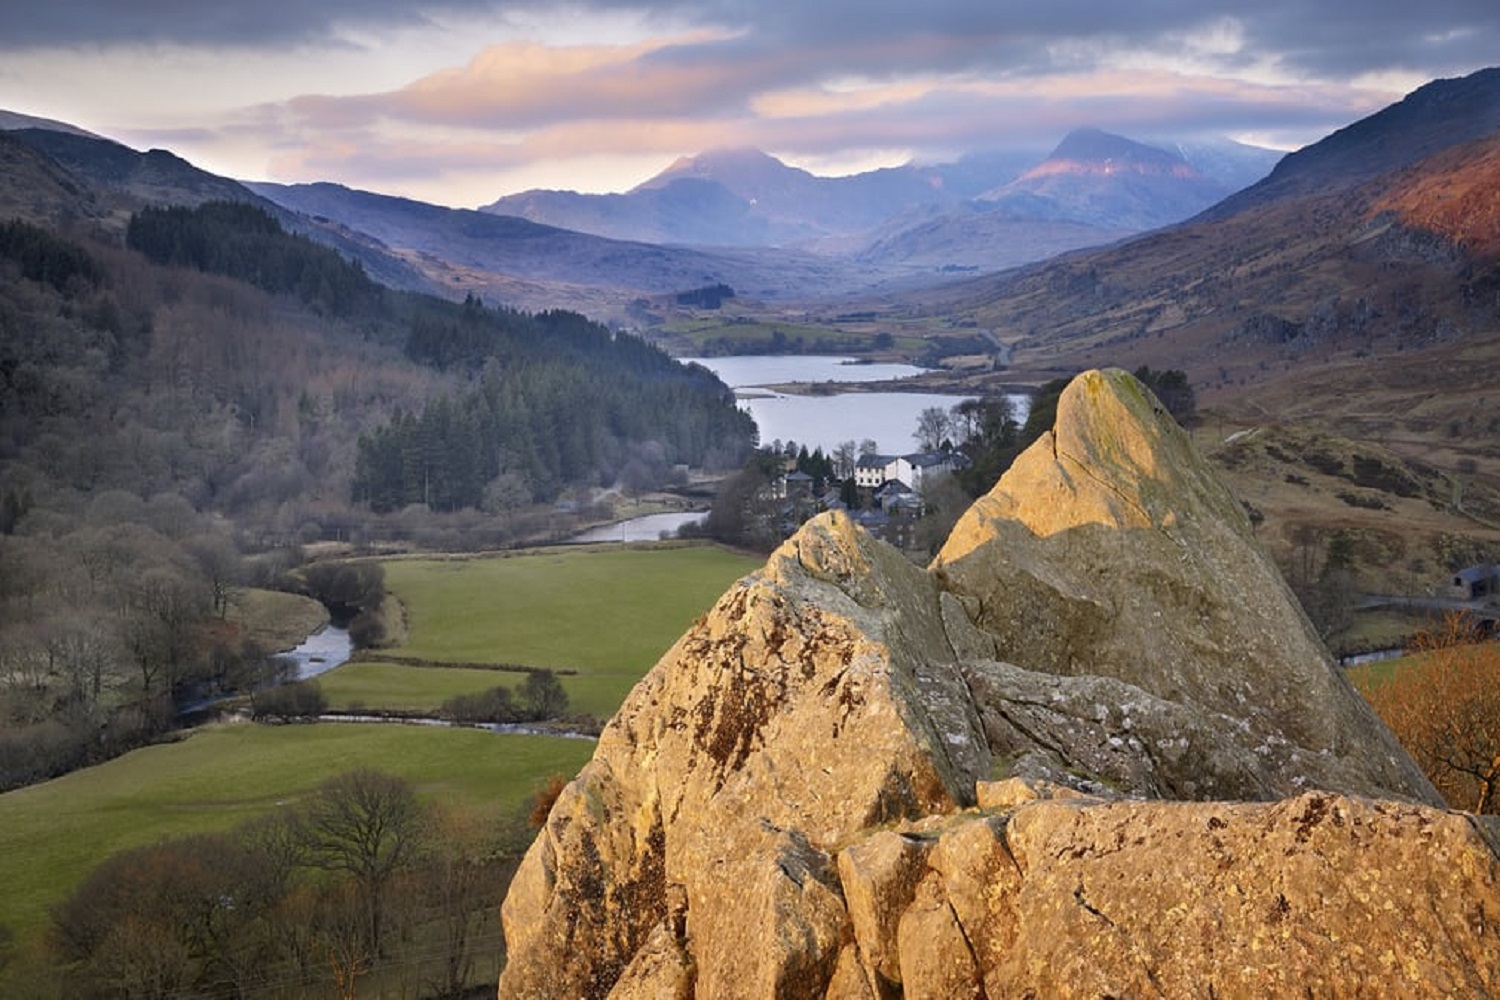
(1160, 650)
(1008, 775)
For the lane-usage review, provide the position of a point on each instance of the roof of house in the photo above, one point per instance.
(928, 459)
(874, 461)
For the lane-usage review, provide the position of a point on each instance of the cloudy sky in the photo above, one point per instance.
(460, 101)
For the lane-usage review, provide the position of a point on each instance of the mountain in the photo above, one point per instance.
(11, 121)
(130, 179)
(1100, 179)
(1235, 165)
(734, 197)
(738, 218)
(1092, 189)
(1095, 749)
(538, 266)
(1365, 247)
(1433, 117)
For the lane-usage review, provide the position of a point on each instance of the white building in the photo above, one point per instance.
(873, 471)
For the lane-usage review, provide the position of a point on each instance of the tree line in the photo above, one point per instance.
(245, 242)
(521, 435)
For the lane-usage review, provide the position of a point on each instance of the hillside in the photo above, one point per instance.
(1350, 299)
(188, 402)
(223, 334)
(129, 178)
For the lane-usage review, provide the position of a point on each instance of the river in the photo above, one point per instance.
(826, 421)
(320, 652)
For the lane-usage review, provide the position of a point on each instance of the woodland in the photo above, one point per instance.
(194, 407)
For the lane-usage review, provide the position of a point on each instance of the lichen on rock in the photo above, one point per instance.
(1094, 748)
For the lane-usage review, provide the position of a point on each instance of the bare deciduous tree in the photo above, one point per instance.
(367, 824)
(934, 426)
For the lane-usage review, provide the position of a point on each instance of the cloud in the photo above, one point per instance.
(429, 92)
(225, 23)
(1310, 37)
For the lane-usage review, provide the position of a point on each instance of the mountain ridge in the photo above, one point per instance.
(748, 195)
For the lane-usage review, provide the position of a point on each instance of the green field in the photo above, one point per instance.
(399, 688)
(609, 614)
(52, 834)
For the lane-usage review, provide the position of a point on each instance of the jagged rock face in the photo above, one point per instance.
(818, 698)
(1174, 661)
(797, 801)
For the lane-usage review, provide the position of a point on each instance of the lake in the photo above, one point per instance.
(888, 418)
(646, 528)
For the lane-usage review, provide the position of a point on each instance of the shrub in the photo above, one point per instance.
(495, 705)
(299, 699)
(1446, 711)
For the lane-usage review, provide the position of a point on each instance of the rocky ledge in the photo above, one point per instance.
(1095, 748)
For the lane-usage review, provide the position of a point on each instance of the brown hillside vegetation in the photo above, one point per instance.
(1456, 195)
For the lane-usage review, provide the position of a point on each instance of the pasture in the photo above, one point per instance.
(52, 834)
(606, 613)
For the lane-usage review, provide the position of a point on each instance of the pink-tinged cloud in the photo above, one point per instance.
(937, 114)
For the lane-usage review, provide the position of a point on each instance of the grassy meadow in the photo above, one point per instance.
(606, 613)
(1373, 675)
(52, 834)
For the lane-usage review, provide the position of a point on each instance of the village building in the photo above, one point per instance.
(1475, 583)
(874, 471)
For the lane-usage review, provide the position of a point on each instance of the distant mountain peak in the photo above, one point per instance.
(1092, 150)
(746, 171)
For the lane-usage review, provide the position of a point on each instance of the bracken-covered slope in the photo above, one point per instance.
(1094, 750)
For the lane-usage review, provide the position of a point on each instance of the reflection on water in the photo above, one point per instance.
(887, 418)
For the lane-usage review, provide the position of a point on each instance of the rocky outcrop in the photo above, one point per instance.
(1144, 637)
(1010, 774)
